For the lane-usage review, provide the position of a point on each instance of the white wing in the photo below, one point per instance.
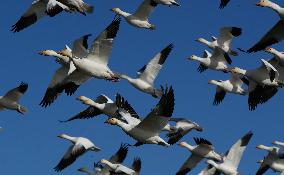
(151, 71)
(102, 45)
(16, 93)
(235, 154)
(145, 9)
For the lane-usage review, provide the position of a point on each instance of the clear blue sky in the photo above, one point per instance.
(29, 144)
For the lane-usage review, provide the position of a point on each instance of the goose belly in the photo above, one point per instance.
(227, 170)
(8, 104)
(138, 22)
(217, 65)
(278, 166)
(142, 86)
(139, 135)
(93, 69)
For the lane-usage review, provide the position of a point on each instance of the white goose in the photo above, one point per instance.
(141, 17)
(233, 85)
(67, 67)
(262, 83)
(93, 62)
(277, 61)
(203, 149)
(182, 127)
(276, 33)
(80, 146)
(149, 129)
(78, 6)
(217, 61)
(270, 159)
(117, 158)
(88, 63)
(116, 168)
(148, 73)
(231, 161)
(224, 42)
(11, 99)
(102, 105)
(41, 8)
(277, 165)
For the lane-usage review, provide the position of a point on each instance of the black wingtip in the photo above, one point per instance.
(199, 141)
(23, 87)
(165, 53)
(236, 31)
(245, 139)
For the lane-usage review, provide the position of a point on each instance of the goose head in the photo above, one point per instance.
(214, 82)
(116, 10)
(274, 52)
(84, 170)
(263, 147)
(112, 121)
(186, 145)
(48, 53)
(211, 162)
(237, 70)
(263, 3)
(198, 128)
(260, 161)
(95, 149)
(202, 40)
(278, 143)
(193, 57)
(85, 100)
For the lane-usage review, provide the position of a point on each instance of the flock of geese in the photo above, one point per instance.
(82, 62)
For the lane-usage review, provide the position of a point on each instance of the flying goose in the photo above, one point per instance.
(223, 3)
(217, 61)
(231, 161)
(93, 62)
(233, 85)
(273, 155)
(11, 99)
(116, 168)
(41, 8)
(140, 18)
(277, 165)
(182, 127)
(80, 146)
(87, 64)
(102, 105)
(278, 60)
(203, 149)
(149, 129)
(67, 67)
(223, 43)
(275, 34)
(117, 158)
(148, 73)
(262, 83)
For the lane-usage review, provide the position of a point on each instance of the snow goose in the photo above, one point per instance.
(148, 130)
(276, 33)
(233, 85)
(231, 161)
(278, 60)
(11, 99)
(41, 8)
(67, 67)
(277, 165)
(224, 42)
(93, 62)
(182, 127)
(148, 73)
(270, 159)
(87, 64)
(80, 146)
(121, 169)
(102, 105)
(223, 3)
(140, 18)
(217, 61)
(203, 149)
(262, 83)
(117, 158)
